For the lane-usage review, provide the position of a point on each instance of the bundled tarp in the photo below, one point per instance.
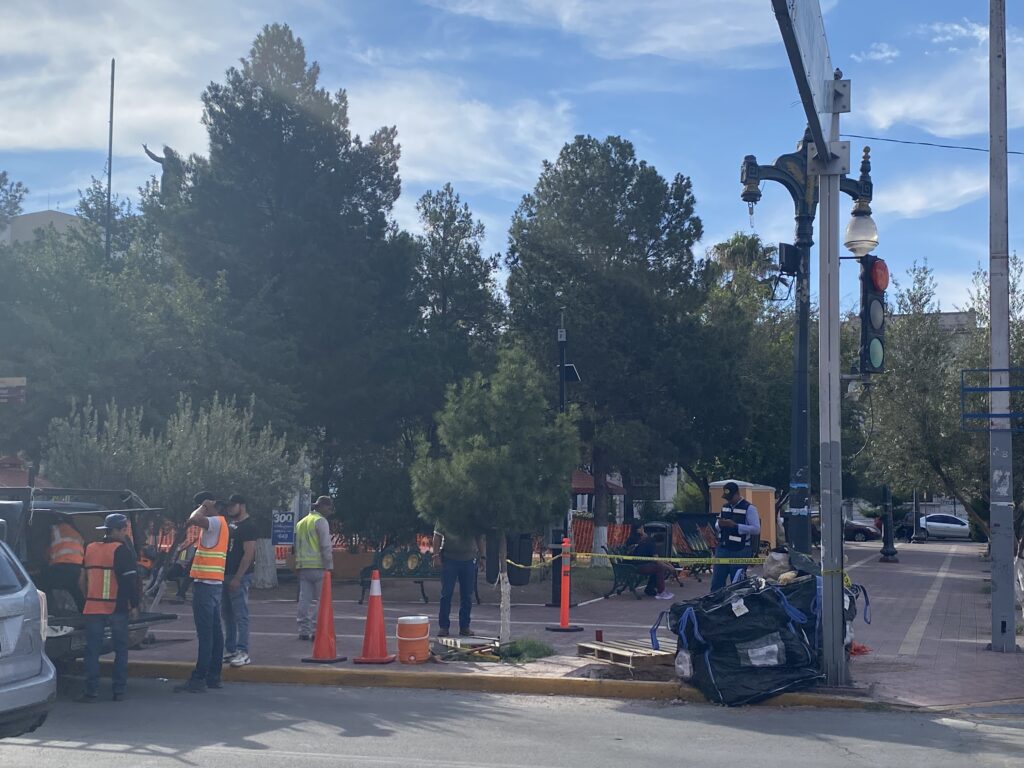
(747, 642)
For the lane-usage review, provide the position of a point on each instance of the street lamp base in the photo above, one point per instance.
(888, 559)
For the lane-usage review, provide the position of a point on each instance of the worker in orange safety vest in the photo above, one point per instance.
(111, 584)
(64, 557)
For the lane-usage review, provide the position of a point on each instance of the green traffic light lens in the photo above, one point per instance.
(877, 315)
(876, 353)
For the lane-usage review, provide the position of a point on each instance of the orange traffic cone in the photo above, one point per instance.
(375, 642)
(325, 650)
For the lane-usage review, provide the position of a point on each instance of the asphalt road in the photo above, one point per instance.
(262, 725)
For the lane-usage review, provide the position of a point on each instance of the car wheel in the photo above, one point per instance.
(859, 536)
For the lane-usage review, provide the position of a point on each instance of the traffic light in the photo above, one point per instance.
(874, 279)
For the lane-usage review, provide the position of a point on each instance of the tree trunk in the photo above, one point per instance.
(265, 575)
(505, 628)
(702, 484)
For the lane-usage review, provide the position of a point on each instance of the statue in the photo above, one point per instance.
(172, 175)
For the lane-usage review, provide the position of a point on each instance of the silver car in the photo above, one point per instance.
(939, 526)
(28, 681)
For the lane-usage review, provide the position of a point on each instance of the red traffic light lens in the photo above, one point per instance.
(879, 275)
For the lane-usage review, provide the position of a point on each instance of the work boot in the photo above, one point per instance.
(466, 632)
(190, 687)
(443, 633)
(86, 698)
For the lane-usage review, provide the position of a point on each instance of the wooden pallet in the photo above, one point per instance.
(633, 654)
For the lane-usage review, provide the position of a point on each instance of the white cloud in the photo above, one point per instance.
(692, 30)
(935, 191)
(877, 52)
(947, 32)
(950, 97)
(449, 134)
(56, 61)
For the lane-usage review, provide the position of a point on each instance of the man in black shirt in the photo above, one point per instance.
(238, 572)
(110, 581)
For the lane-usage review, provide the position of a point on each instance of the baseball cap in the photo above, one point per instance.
(202, 496)
(236, 498)
(115, 521)
(729, 489)
(323, 501)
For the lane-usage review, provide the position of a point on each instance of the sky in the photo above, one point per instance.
(482, 91)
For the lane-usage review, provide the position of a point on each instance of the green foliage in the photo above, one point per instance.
(604, 236)
(504, 459)
(525, 650)
(11, 195)
(914, 434)
(740, 376)
(215, 447)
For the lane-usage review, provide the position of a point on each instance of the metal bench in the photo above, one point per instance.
(624, 573)
(406, 563)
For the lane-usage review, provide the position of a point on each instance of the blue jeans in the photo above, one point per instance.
(722, 575)
(95, 624)
(235, 610)
(463, 572)
(206, 600)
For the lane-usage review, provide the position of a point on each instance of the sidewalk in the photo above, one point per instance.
(927, 636)
(931, 623)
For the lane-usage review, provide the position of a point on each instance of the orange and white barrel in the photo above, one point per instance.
(413, 639)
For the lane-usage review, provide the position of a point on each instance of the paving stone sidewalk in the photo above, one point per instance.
(927, 637)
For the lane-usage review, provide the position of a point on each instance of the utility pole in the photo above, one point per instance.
(566, 530)
(1000, 434)
(110, 157)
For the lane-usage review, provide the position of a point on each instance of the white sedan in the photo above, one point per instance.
(939, 526)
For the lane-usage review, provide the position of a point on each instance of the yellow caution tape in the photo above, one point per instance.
(682, 561)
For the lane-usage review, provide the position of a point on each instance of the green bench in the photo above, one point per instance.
(406, 563)
(624, 573)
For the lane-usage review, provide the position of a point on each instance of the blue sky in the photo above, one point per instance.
(483, 90)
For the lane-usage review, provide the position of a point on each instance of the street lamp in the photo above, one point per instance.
(792, 171)
(861, 233)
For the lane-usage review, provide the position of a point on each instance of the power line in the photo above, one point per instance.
(923, 143)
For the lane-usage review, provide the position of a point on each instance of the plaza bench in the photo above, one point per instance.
(407, 564)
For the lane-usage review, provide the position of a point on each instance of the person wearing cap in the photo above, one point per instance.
(238, 572)
(314, 557)
(736, 525)
(208, 572)
(111, 585)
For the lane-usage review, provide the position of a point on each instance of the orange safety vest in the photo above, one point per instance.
(208, 564)
(66, 546)
(166, 540)
(101, 593)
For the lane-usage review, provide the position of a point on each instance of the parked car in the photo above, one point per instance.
(853, 530)
(28, 680)
(27, 514)
(940, 526)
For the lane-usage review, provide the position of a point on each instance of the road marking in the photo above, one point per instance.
(861, 562)
(912, 641)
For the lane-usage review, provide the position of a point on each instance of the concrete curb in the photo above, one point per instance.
(483, 683)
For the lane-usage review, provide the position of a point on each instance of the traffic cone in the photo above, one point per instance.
(375, 642)
(325, 650)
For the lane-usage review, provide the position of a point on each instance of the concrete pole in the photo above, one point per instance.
(830, 441)
(1000, 436)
